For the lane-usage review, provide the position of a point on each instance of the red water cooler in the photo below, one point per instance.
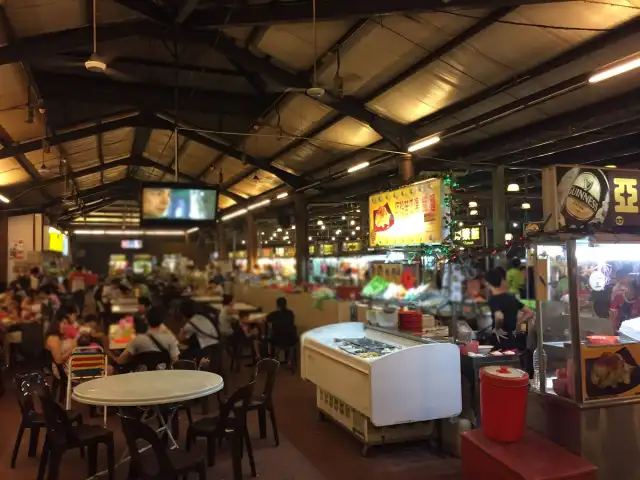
(503, 402)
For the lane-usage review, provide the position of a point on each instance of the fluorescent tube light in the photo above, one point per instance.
(282, 195)
(237, 213)
(615, 70)
(357, 167)
(424, 143)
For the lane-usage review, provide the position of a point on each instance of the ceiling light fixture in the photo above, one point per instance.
(4, 199)
(352, 222)
(279, 230)
(319, 222)
(525, 206)
(515, 224)
(424, 143)
(473, 204)
(508, 237)
(237, 213)
(322, 227)
(615, 70)
(513, 187)
(259, 204)
(473, 212)
(343, 217)
(282, 195)
(193, 230)
(357, 167)
(610, 166)
(333, 238)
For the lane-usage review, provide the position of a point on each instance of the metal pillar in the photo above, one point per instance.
(406, 168)
(302, 239)
(499, 217)
(252, 242)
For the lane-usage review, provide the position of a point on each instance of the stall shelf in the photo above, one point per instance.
(356, 370)
(586, 395)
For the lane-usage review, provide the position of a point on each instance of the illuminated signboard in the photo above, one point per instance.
(352, 246)
(411, 215)
(56, 240)
(131, 244)
(470, 236)
(597, 195)
(327, 249)
(312, 249)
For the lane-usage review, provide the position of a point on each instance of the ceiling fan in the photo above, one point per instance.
(95, 63)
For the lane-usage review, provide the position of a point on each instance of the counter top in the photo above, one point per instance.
(399, 333)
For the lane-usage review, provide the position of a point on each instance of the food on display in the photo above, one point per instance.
(610, 370)
(365, 347)
(377, 286)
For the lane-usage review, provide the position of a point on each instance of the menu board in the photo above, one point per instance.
(597, 195)
(610, 371)
(471, 236)
(407, 216)
(312, 249)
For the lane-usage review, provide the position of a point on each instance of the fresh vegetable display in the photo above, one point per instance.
(375, 287)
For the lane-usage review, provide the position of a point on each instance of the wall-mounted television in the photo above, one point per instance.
(177, 204)
(131, 244)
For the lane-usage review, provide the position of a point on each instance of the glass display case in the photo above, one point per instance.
(586, 388)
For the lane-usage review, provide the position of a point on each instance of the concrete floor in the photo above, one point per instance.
(309, 449)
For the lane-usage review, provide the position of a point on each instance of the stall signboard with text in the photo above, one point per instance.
(351, 247)
(606, 196)
(471, 236)
(312, 249)
(610, 371)
(410, 215)
(327, 249)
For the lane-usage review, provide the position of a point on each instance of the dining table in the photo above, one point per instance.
(154, 389)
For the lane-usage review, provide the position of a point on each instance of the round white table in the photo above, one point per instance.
(152, 388)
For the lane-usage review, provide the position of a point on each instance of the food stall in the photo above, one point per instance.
(118, 263)
(586, 394)
(143, 264)
(356, 369)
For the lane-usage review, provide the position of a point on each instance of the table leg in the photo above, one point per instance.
(165, 427)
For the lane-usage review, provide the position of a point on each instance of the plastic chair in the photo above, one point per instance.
(85, 363)
(185, 407)
(225, 425)
(62, 436)
(163, 464)
(262, 403)
(148, 361)
(237, 343)
(27, 385)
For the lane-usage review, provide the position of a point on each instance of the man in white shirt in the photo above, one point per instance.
(198, 325)
(156, 336)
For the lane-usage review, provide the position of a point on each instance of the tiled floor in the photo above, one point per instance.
(309, 449)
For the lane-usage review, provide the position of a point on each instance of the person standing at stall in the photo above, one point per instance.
(507, 310)
(623, 304)
(77, 286)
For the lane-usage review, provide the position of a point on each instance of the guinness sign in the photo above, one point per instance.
(584, 197)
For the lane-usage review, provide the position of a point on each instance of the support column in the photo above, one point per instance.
(406, 168)
(4, 247)
(302, 239)
(223, 252)
(252, 242)
(499, 198)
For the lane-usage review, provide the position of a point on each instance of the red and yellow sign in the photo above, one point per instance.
(408, 216)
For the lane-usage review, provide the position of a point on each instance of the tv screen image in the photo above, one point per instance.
(181, 204)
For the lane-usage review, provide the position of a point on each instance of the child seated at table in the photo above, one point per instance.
(89, 333)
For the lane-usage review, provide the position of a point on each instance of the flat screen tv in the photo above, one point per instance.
(177, 204)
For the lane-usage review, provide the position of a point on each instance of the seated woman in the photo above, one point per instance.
(198, 331)
(29, 307)
(54, 342)
(157, 339)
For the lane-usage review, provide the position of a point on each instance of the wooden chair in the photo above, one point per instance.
(225, 425)
(161, 464)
